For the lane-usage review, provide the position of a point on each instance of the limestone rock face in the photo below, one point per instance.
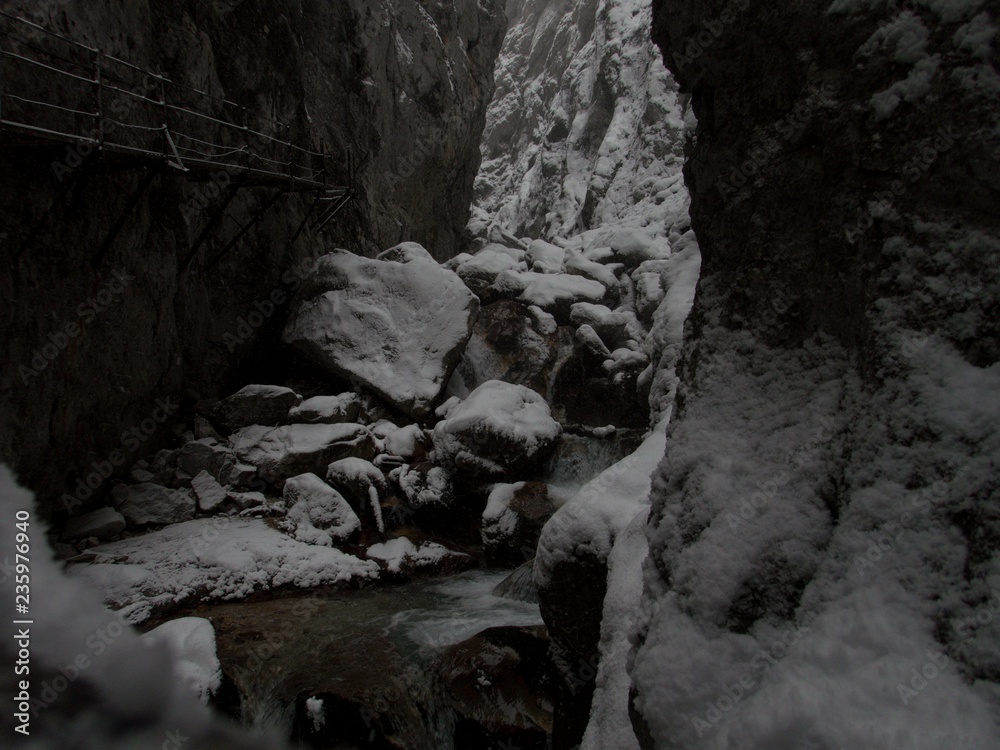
(403, 86)
(396, 328)
(837, 381)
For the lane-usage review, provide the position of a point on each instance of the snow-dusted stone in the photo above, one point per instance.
(500, 430)
(633, 246)
(327, 410)
(247, 500)
(257, 404)
(615, 327)
(554, 293)
(206, 454)
(286, 451)
(317, 513)
(400, 555)
(481, 270)
(397, 328)
(513, 520)
(151, 503)
(426, 486)
(404, 252)
(362, 483)
(577, 264)
(191, 640)
(649, 293)
(545, 257)
(210, 493)
(238, 476)
(213, 558)
(102, 523)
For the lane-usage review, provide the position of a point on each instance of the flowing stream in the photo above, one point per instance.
(366, 658)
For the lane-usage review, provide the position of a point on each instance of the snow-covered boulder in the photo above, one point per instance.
(500, 430)
(426, 486)
(513, 520)
(152, 503)
(404, 252)
(209, 493)
(544, 257)
(256, 404)
(554, 293)
(396, 328)
(286, 451)
(191, 640)
(327, 410)
(317, 513)
(481, 270)
(400, 555)
(103, 523)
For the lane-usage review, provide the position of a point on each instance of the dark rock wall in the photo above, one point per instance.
(827, 469)
(404, 86)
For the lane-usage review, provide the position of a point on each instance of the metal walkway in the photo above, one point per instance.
(55, 91)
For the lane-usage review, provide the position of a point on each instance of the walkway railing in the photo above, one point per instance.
(56, 90)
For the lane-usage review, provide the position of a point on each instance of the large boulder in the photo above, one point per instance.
(396, 328)
(500, 430)
(286, 451)
(327, 410)
(317, 513)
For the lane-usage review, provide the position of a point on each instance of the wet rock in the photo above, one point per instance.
(317, 513)
(397, 328)
(256, 404)
(286, 451)
(520, 584)
(499, 684)
(500, 430)
(152, 503)
(514, 344)
(103, 523)
(513, 521)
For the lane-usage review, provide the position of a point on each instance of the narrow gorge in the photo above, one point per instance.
(500, 375)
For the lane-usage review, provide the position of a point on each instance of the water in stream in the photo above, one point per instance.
(372, 657)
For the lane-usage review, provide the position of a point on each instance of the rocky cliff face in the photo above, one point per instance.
(584, 123)
(101, 342)
(823, 528)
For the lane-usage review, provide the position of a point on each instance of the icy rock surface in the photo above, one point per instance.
(396, 328)
(499, 430)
